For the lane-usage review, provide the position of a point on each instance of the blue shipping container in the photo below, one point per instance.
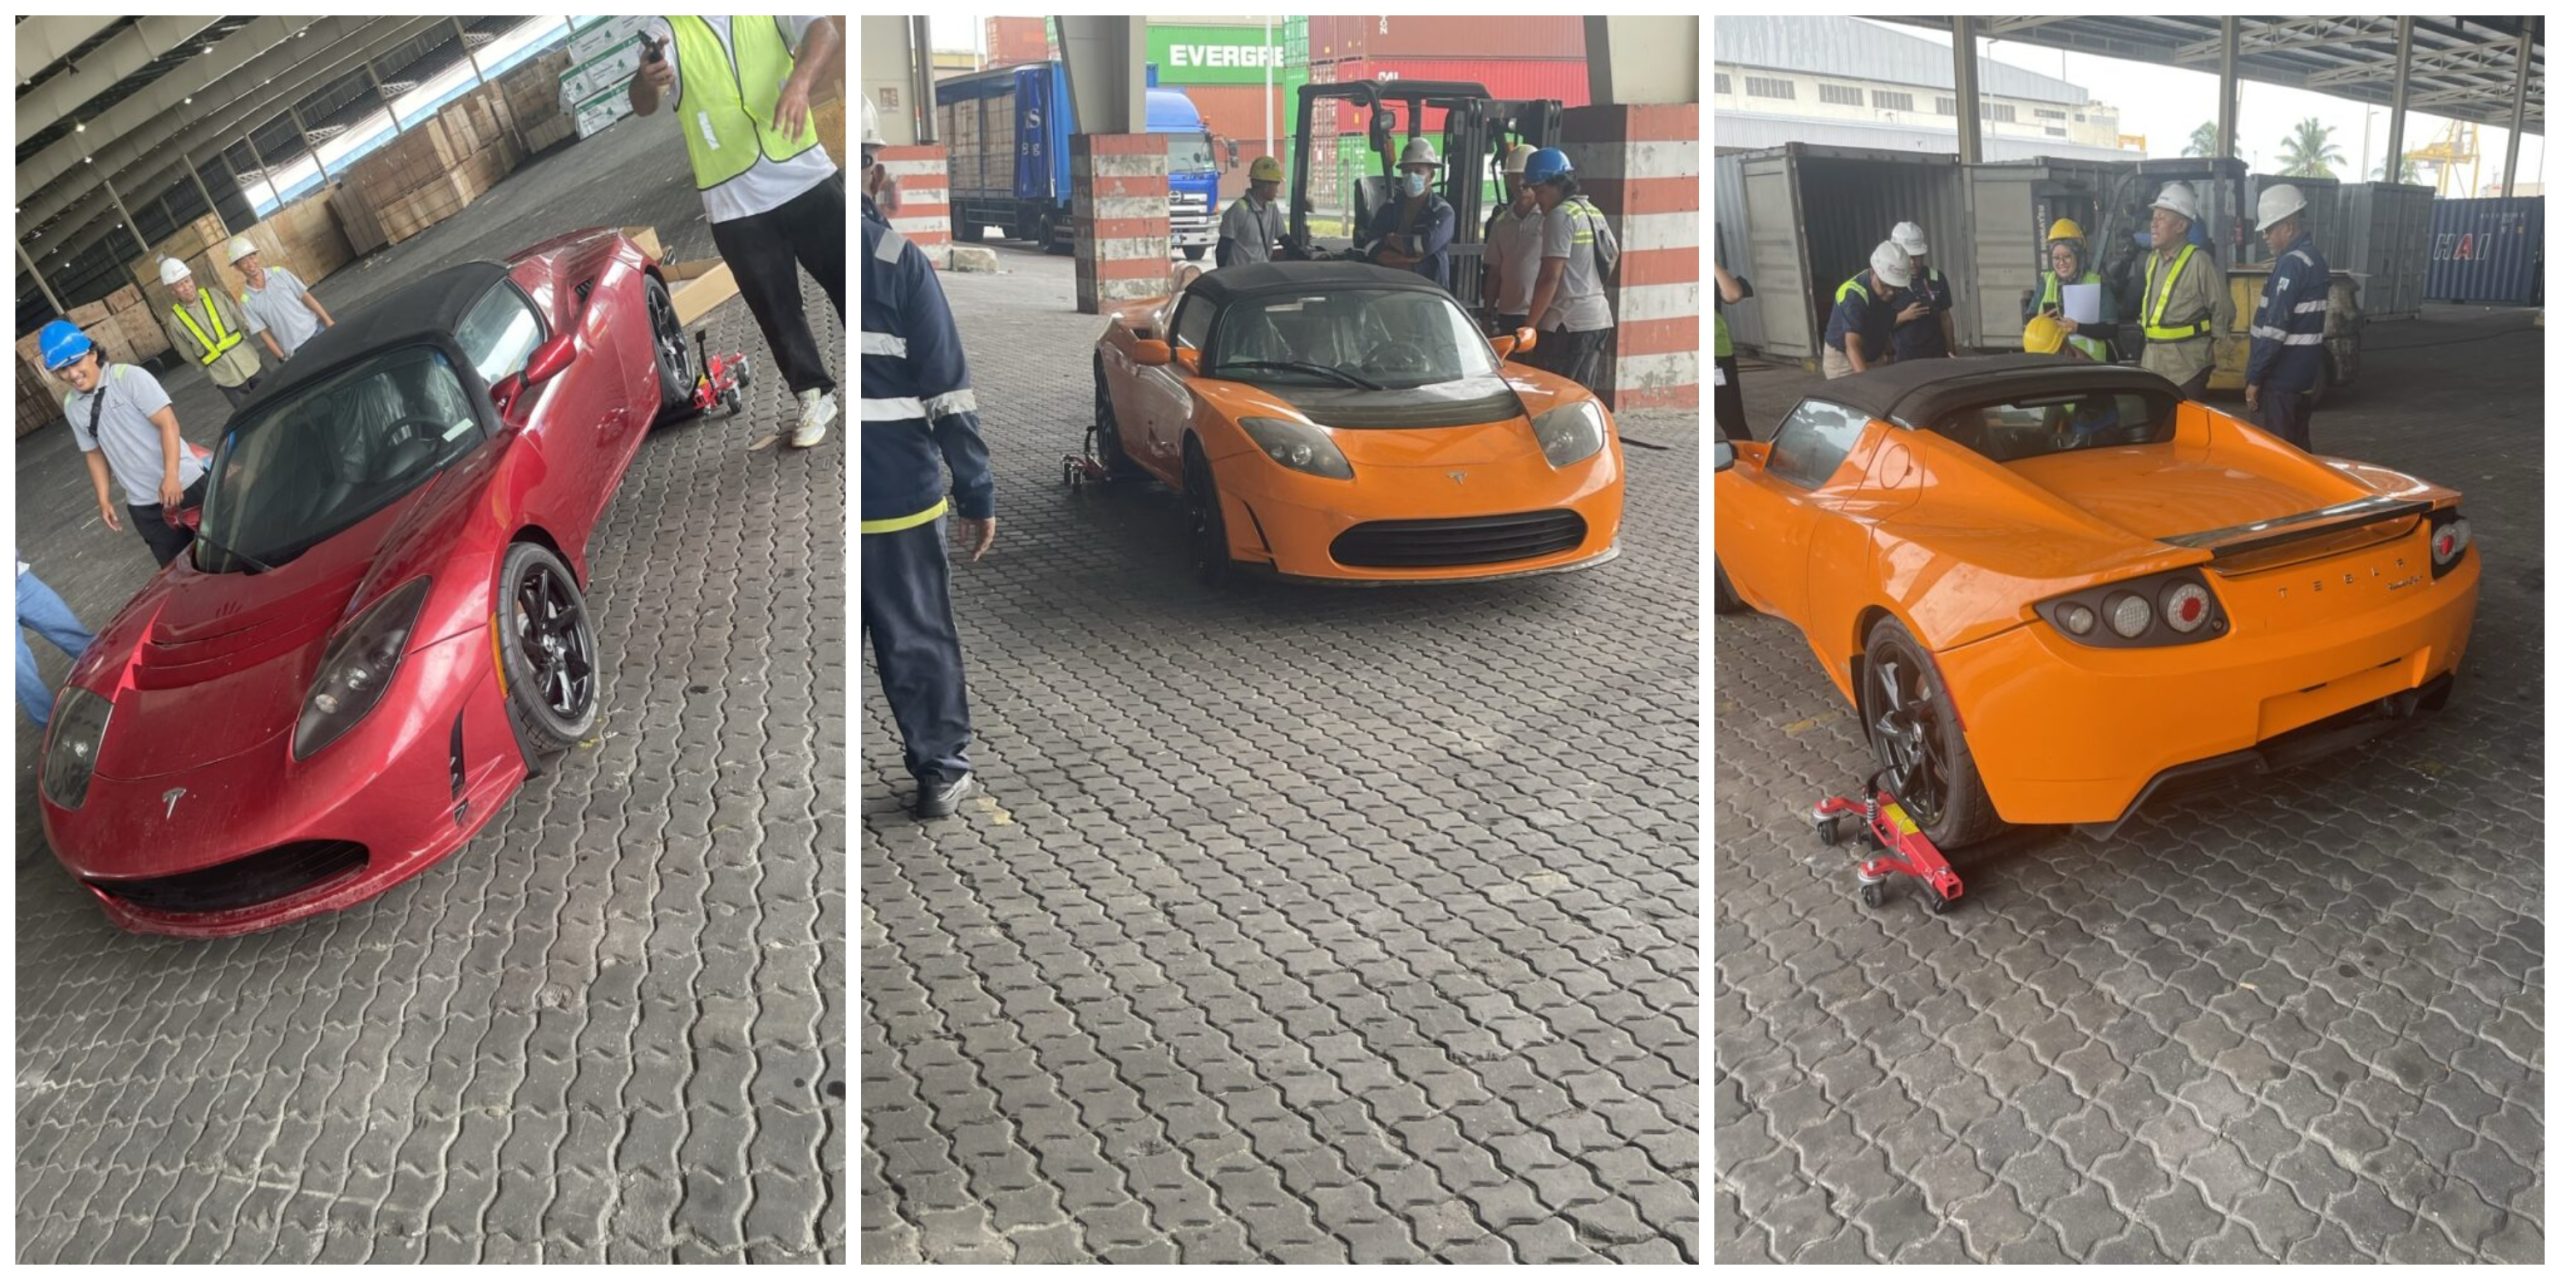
(2486, 251)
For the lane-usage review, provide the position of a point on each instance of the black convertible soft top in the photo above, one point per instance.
(1227, 284)
(421, 310)
(1915, 393)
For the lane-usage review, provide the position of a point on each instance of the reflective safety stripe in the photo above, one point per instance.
(926, 516)
(891, 245)
(951, 402)
(2156, 304)
(893, 409)
(1851, 286)
(223, 339)
(883, 344)
(2302, 339)
(2269, 331)
(2306, 308)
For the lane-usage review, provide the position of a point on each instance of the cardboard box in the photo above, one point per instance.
(588, 42)
(697, 287)
(598, 115)
(608, 70)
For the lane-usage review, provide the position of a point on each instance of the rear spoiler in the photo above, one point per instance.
(2241, 539)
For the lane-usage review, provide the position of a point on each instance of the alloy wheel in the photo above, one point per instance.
(552, 636)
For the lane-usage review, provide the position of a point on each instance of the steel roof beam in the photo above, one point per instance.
(129, 51)
(158, 102)
(49, 38)
(353, 40)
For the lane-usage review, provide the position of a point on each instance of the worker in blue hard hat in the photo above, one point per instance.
(122, 421)
(1577, 250)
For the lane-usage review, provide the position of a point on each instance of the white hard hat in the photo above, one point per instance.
(1516, 160)
(1911, 238)
(1892, 264)
(2180, 199)
(240, 248)
(1420, 151)
(2277, 203)
(871, 124)
(173, 271)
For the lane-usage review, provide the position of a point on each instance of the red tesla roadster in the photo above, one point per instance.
(380, 631)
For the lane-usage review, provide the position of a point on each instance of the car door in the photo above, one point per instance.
(575, 417)
(1164, 391)
(1780, 505)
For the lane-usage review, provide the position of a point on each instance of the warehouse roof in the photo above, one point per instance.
(1857, 50)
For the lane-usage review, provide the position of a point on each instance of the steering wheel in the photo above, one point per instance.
(1396, 357)
(406, 442)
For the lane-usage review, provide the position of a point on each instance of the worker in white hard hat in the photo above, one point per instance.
(2293, 316)
(2184, 300)
(740, 89)
(208, 329)
(879, 189)
(1925, 327)
(1860, 334)
(282, 313)
(1412, 233)
(1511, 245)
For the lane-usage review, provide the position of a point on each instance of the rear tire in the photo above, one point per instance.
(1726, 600)
(674, 358)
(1107, 449)
(1911, 723)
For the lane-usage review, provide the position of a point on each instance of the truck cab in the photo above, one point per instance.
(1191, 168)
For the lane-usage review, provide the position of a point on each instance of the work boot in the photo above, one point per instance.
(817, 409)
(940, 797)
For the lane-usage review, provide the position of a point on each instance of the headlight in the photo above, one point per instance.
(71, 749)
(1299, 446)
(356, 669)
(1571, 432)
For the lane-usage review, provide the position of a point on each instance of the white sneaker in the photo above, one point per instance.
(817, 409)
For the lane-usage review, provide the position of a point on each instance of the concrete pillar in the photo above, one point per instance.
(2515, 123)
(1124, 220)
(2399, 102)
(1639, 163)
(41, 286)
(1968, 95)
(923, 174)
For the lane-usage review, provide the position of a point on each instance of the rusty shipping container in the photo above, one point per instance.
(1443, 36)
(1014, 41)
(2486, 251)
(1568, 80)
(1233, 112)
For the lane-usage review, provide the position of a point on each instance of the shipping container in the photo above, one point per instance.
(2320, 201)
(2382, 239)
(1814, 215)
(1730, 242)
(1233, 113)
(2486, 251)
(1443, 36)
(1014, 41)
(2015, 206)
(1567, 80)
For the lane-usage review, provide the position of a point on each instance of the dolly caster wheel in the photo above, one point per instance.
(1871, 894)
(1829, 830)
(1937, 906)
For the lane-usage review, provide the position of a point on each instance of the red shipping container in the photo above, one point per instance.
(1567, 80)
(1443, 36)
(1014, 41)
(1234, 111)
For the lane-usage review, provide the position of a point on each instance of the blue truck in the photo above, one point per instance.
(1006, 131)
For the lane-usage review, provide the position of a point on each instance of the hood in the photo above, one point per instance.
(203, 666)
(1468, 423)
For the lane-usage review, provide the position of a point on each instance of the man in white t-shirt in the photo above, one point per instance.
(774, 198)
(282, 313)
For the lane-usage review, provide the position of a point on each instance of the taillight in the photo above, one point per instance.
(2186, 606)
(2449, 537)
(2177, 607)
(2129, 615)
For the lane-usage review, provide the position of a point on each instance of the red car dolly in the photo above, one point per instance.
(1878, 822)
(722, 379)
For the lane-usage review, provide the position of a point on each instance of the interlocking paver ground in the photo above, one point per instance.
(2300, 1023)
(611, 1027)
(1296, 923)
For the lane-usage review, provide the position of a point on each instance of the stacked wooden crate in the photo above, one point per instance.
(431, 172)
(299, 237)
(36, 406)
(532, 90)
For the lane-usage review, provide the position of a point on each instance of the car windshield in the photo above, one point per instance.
(327, 455)
(1392, 338)
(1188, 153)
(2033, 426)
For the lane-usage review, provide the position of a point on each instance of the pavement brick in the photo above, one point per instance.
(1264, 922)
(2274, 1025)
(544, 1047)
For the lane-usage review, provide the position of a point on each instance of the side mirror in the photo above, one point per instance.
(1503, 346)
(549, 359)
(1188, 358)
(1231, 153)
(1151, 352)
(1724, 455)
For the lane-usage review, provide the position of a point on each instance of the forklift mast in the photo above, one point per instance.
(1475, 129)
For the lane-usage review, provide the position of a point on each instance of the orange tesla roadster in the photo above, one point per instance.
(1341, 422)
(2055, 590)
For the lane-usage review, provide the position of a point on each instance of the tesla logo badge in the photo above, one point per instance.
(171, 797)
(1457, 477)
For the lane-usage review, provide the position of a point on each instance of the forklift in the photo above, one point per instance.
(1476, 128)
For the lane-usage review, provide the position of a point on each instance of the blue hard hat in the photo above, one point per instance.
(1546, 164)
(61, 342)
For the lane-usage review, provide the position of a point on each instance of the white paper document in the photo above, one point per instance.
(2080, 302)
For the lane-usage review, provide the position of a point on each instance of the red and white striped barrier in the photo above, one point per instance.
(923, 175)
(1639, 163)
(1124, 221)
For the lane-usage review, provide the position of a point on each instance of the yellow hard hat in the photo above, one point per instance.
(1264, 169)
(2043, 335)
(2064, 229)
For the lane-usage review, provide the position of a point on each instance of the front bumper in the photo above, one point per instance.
(389, 786)
(2067, 734)
(1291, 524)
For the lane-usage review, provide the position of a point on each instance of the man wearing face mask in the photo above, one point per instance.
(1413, 232)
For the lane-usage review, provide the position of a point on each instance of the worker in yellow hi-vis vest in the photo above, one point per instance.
(207, 328)
(773, 196)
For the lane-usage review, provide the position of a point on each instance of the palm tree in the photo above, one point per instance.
(2308, 152)
(2204, 141)
(2408, 172)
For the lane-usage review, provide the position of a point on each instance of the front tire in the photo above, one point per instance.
(547, 646)
(1911, 722)
(1204, 521)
